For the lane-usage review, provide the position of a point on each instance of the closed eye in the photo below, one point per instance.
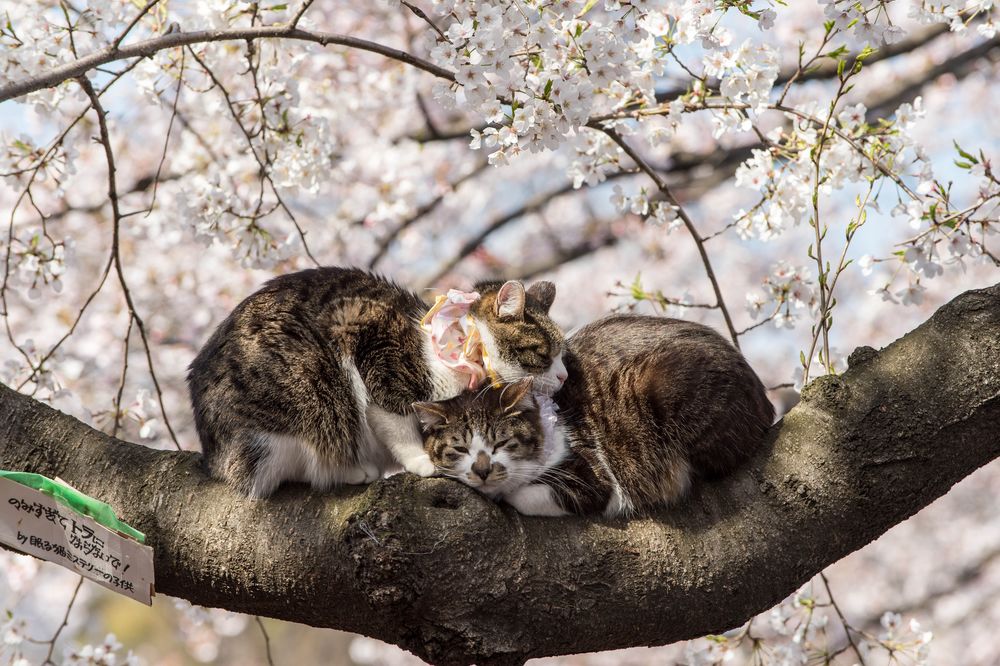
(460, 449)
(533, 359)
(507, 443)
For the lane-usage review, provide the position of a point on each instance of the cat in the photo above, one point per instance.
(312, 377)
(649, 404)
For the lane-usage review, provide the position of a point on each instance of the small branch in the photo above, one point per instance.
(760, 323)
(62, 625)
(267, 640)
(26, 193)
(426, 113)
(298, 16)
(843, 620)
(263, 162)
(420, 213)
(534, 204)
(561, 258)
(661, 185)
(822, 72)
(135, 21)
(170, 127)
(419, 13)
(121, 382)
(105, 140)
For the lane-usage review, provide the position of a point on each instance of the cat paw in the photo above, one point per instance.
(372, 473)
(420, 465)
(355, 476)
(535, 499)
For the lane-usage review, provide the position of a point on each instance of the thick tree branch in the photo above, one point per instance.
(430, 565)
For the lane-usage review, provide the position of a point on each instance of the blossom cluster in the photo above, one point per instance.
(787, 292)
(104, 653)
(807, 628)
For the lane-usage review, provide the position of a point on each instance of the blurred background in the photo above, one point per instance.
(374, 169)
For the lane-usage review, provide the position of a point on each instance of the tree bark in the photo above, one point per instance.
(431, 566)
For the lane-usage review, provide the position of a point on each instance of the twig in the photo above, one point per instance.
(419, 214)
(34, 169)
(419, 13)
(105, 140)
(166, 140)
(267, 640)
(532, 205)
(124, 33)
(264, 163)
(562, 257)
(843, 620)
(661, 184)
(298, 15)
(62, 625)
(121, 382)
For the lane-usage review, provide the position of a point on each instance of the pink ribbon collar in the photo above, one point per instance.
(455, 337)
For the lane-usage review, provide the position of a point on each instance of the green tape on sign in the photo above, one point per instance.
(75, 500)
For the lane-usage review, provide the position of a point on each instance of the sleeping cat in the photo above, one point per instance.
(649, 404)
(312, 377)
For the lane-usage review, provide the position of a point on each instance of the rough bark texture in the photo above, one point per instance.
(433, 567)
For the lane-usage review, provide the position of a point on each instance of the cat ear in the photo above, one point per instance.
(517, 395)
(510, 300)
(544, 292)
(430, 414)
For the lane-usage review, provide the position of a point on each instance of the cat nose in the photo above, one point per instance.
(481, 467)
(561, 376)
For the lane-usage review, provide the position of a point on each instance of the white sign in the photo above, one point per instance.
(34, 523)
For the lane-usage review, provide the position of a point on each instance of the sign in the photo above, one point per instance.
(35, 523)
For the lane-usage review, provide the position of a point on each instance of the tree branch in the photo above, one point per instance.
(148, 47)
(691, 171)
(826, 70)
(432, 566)
(699, 242)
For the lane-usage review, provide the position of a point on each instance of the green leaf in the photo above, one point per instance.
(964, 154)
(586, 8)
(638, 293)
(865, 53)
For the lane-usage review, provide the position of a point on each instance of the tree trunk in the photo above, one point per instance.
(430, 565)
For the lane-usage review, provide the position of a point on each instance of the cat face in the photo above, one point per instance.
(489, 439)
(518, 334)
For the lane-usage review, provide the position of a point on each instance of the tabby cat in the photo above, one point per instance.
(649, 404)
(312, 377)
